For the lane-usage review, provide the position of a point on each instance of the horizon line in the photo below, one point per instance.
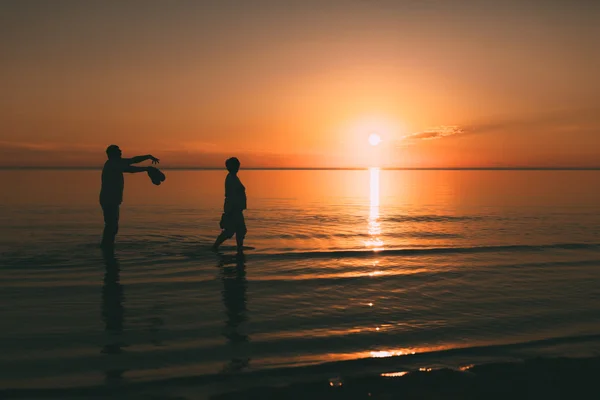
(97, 168)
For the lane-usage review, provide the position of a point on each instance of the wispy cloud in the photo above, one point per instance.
(437, 132)
(561, 122)
(26, 146)
(49, 154)
(189, 154)
(46, 147)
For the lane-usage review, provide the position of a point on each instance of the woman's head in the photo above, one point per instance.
(232, 164)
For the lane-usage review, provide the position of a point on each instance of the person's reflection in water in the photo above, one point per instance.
(112, 311)
(233, 276)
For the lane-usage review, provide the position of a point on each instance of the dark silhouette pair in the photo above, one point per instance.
(113, 182)
(235, 284)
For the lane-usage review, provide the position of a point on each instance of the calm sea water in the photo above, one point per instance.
(343, 265)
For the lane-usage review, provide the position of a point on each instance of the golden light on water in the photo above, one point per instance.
(335, 382)
(394, 374)
(391, 353)
(374, 227)
(384, 354)
(374, 190)
(366, 354)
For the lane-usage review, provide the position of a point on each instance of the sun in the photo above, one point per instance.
(374, 139)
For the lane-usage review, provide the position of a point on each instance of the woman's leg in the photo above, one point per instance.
(240, 233)
(223, 236)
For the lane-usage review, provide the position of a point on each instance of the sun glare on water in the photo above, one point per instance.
(374, 139)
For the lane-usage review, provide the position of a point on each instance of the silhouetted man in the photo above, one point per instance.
(112, 302)
(113, 314)
(232, 220)
(111, 194)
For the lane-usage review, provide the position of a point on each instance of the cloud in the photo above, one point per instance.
(26, 146)
(189, 154)
(45, 146)
(561, 122)
(435, 133)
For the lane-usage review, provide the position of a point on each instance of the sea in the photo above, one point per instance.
(344, 271)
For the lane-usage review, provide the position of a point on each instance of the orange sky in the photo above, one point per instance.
(302, 83)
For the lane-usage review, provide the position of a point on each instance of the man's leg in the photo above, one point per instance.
(111, 224)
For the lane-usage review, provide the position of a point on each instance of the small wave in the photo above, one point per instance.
(429, 251)
(165, 253)
(351, 367)
(433, 218)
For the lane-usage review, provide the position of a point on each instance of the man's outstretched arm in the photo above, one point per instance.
(139, 159)
(132, 169)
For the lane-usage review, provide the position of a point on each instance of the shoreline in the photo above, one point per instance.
(540, 377)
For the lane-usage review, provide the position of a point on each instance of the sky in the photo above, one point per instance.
(462, 83)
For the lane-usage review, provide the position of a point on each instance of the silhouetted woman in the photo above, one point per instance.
(235, 286)
(232, 220)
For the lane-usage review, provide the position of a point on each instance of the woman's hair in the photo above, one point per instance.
(232, 164)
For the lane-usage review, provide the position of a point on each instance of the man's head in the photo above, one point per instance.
(113, 152)
(233, 165)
